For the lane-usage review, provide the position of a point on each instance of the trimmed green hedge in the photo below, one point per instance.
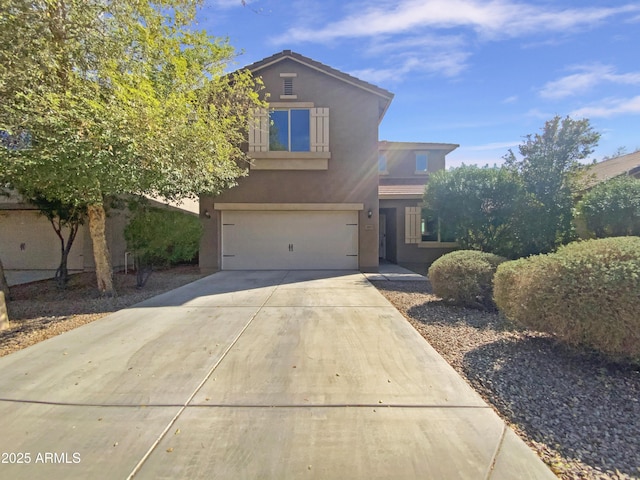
(464, 277)
(612, 208)
(162, 237)
(587, 293)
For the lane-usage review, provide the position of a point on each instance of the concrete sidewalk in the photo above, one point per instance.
(394, 273)
(242, 375)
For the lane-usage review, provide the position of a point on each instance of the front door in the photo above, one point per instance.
(382, 237)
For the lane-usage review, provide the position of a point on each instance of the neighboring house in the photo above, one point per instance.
(404, 236)
(311, 199)
(614, 167)
(29, 243)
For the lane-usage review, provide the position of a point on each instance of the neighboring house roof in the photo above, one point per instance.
(385, 95)
(400, 192)
(12, 200)
(386, 145)
(614, 167)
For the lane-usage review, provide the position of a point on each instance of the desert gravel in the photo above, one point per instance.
(40, 310)
(580, 413)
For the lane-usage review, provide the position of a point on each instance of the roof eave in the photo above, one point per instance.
(385, 95)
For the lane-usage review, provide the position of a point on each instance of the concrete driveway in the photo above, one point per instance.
(243, 375)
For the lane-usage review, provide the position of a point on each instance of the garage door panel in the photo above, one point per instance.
(290, 240)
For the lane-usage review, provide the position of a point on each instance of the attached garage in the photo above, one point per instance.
(289, 240)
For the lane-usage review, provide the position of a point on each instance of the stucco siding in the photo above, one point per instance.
(398, 250)
(351, 177)
(28, 242)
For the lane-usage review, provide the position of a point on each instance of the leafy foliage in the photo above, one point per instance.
(548, 168)
(464, 277)
(161, 237)
(524, 208)
(479, 206)
(612, 208)
(116, 97)
(586, 294)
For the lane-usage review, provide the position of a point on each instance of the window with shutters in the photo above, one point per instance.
(425, 230)
(290, 136)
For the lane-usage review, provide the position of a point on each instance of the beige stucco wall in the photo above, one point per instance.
(401, 163)
(352, 173)
(28, 242)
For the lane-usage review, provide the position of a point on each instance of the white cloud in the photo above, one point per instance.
(511, 99)
(496, 18)
(493, 146)
(415, 35)
(610, 107)
(448, 65)
(443, 55)
(537, 113)
(229, 3)
(586, 78)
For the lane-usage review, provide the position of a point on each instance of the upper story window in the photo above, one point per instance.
(382, 163)
(286, 129)
(289, 130)
(422, 162)
(289, 136)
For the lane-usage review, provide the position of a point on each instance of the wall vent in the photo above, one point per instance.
(288, 86)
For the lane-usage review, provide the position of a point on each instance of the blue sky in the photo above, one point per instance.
(482, 74)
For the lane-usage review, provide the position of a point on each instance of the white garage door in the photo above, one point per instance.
(281, 240)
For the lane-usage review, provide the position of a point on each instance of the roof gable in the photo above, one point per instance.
(385, 96)
(623, 165)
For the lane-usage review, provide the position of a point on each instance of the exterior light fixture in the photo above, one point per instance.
(369, 213)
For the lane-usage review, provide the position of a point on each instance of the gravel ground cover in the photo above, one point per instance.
(40, 310)
(580, 413)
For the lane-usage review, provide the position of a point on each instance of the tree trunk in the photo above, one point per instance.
(4, 296)
(62, 273)
(104, 273)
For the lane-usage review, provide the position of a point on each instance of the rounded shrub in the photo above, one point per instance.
(464, 277)
(587, 293)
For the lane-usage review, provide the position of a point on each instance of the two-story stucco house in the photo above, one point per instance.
(311, 199)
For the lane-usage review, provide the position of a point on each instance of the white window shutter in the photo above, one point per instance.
(259, 130)
(412, 225)
(319, 126)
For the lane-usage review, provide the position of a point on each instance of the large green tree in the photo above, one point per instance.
(479, 206)
(114, 97)
(549, 165)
